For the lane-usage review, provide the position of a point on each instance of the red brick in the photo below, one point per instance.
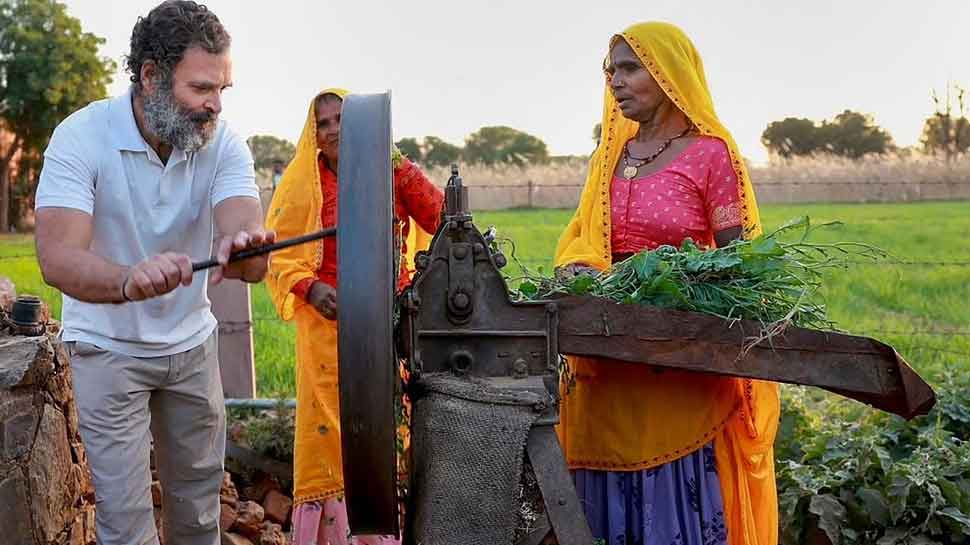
(277, 507)
(272, 534)
(227, 516)
(156, 493)
(234, 539)
(227, 492)
(159, 525)
(262, 484)
(250, 519)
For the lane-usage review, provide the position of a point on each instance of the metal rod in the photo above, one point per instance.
(259, 403)
(252, 252)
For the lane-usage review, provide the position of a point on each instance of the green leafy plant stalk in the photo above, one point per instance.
(774, 278)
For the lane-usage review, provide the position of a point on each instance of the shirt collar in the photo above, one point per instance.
(123, 126)
(125, 129)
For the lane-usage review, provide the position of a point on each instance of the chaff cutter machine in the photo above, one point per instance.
(484, 370)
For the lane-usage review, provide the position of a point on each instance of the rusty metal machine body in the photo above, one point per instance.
(457, 319)
(457, 323)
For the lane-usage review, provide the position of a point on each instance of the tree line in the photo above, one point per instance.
(488, 145)
(853, 135)
(49, 67)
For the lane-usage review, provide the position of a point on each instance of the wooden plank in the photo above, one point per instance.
(231, 306)
(857, 367)
(562, 505)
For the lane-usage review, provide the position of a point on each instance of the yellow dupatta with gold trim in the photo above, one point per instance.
(295, 210)
(620, 416)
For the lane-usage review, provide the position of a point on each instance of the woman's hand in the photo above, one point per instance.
(323, 297)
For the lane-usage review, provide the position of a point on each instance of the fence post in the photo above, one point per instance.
(530, 185)
(231, 306)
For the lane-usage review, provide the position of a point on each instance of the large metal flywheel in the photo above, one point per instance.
(365, 293)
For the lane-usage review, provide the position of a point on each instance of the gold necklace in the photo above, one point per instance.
(630, 169)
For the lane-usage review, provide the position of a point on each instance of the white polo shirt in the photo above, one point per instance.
(97, 162)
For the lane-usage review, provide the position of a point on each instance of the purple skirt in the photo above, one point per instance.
(678, 503)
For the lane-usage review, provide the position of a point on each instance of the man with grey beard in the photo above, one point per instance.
(131, 190)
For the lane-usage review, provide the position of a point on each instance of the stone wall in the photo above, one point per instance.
(46, 495)
(46, 492)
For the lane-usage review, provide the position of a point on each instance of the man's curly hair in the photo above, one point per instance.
(168, 31)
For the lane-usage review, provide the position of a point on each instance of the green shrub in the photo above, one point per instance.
(864, 476)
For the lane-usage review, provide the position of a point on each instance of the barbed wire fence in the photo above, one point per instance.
(529, 193)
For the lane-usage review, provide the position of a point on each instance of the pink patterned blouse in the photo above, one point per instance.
(695, 196)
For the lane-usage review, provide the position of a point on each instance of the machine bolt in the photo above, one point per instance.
(461, 360)
(500, 260)
(461, 301)
(461, 252)
(478, 248)
(520, 368)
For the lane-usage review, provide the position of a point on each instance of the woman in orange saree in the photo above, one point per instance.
(665, 457)
(302, 283)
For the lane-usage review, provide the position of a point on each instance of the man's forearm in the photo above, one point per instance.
(82, 274)
(238, 214)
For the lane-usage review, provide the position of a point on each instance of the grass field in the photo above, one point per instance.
(921, 306)
(24, 271)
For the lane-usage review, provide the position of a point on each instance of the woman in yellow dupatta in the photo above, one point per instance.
(302, 283)
(661, 456)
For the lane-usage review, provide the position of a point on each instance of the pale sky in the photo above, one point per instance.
(455, 66)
